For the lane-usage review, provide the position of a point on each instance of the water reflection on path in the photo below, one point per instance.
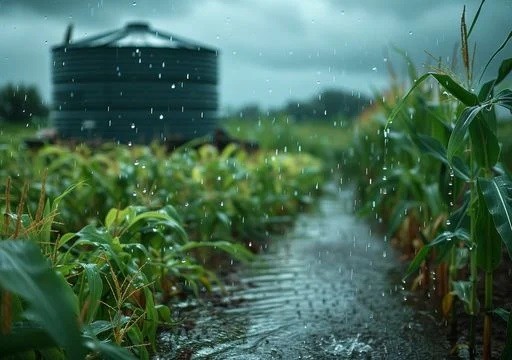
(323, 291)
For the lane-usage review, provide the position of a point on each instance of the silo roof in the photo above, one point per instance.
(137, 34)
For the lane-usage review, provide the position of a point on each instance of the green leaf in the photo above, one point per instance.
(456, 90)
(51, 302)
(433, 147)
(488, 242)
(486, 147)
(456, 141)
(473, 23)
(497, 195)
(504, 98)
(504, 70)
(444, 238)
(95, 285)
(494, 55)
(486, 91)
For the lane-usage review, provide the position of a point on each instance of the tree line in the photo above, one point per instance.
(328, 105)
(21, 103)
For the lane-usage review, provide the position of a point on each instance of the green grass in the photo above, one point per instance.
(328, 141)
(14, 133)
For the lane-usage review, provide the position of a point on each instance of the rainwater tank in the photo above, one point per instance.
(134, 85)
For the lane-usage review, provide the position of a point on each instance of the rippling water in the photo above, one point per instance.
(322, 291)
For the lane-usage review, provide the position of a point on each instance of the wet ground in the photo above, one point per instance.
(328, 289)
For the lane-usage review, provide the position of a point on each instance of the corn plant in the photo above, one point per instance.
(482, 219)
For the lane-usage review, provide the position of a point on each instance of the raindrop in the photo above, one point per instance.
(374, 68)
(134, 3)
(161, 117)
(132, 126)
(410, 32)
(173, 86)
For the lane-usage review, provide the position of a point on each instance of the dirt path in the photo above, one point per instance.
(328, 290)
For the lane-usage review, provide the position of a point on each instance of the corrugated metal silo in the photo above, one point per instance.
(134, 85)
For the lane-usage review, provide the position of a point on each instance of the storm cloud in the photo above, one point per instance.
(270, 50)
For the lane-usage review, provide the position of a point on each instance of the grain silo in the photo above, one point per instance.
(135, 84)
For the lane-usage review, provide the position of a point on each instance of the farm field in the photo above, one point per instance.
(289, 233)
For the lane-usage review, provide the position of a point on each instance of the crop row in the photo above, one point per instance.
(110, 235)
(432, 168)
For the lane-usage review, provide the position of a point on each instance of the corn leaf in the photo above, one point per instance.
(51, 302)
(441, 239)
(497, 194)
(454, 88)
(486, 147)
(488, 241)
(501, 47)
(457, 138)
(95, 285)
(433, 147)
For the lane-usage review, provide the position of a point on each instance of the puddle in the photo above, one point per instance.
(320, 292)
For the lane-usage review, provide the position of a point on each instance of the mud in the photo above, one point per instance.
(328, 289)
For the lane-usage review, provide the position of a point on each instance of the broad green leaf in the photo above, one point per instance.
(417, 261)
(95, 285)
(456, 90)
(444, 238)
(488, 242)
(486, 147)
(51, 302)
(501, 47)
(487, 89)
(504, 98)
(459, 133)
(504, 70)
(433, 147)
(497, 194)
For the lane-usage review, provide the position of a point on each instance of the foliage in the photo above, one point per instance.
(129, 228)
(20, 103)
(326, 140)
(439, 175)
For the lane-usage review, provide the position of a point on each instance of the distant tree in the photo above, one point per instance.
(249, 111)
(19, 103)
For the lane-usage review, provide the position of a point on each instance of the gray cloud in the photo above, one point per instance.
(270, 50)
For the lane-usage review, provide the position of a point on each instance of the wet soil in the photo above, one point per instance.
(328, 289)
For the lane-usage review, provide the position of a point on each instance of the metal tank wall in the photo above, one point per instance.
(134, 85)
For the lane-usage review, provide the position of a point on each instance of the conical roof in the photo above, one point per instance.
(136, 34)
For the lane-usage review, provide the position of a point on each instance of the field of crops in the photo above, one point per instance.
(97, 241)
(124, 229)
(434, 167)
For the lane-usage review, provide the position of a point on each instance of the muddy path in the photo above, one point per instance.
(329, 289)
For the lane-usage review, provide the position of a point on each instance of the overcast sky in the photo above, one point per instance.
(271, 50)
